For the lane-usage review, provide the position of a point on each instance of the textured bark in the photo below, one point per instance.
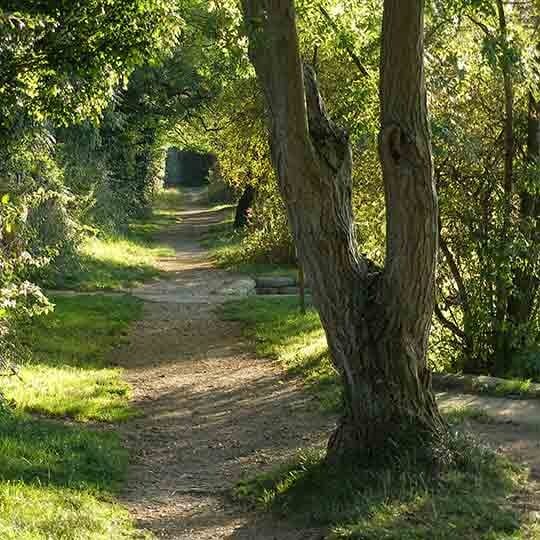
(377, 322)
(243, 207)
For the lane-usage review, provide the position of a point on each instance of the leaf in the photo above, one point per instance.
(5, 198)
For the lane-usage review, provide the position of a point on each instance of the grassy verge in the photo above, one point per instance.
(297, 341)
(58, 482)
(123, 261)
(226, 247)
(58, 479)
(67, 373)
(472, 499)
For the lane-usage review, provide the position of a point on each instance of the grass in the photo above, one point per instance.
(515, 387)
(227, 250)
(58, 482)
(471, 499)
(115, 263)
(460, 414)
(67, 373)
(297, 341)
(123, 261)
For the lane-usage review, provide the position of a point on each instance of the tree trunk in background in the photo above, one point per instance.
(243, 207)
(377, 323)
(522, 300)
(502, 338)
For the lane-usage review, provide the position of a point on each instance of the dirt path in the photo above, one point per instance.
(211, 412)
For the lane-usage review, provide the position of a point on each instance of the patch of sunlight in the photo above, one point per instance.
(79, 393)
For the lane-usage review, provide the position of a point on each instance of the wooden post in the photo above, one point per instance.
(302, 287)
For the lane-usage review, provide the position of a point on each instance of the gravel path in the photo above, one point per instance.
(212, 412)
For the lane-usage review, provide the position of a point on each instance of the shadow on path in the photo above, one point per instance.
(212, 413)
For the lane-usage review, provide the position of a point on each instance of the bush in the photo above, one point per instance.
(269, 238)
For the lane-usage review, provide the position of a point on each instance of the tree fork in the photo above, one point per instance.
(377, 322)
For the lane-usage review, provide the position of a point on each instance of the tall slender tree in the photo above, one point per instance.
(377, 321)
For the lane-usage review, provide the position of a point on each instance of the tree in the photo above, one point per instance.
(377, 321)
(483, 75)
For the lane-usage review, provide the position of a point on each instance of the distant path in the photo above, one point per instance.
(212, 412)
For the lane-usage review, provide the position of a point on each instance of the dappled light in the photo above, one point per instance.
(270, 270)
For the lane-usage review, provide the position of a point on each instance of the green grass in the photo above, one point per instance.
(57, 482)
(472, 499)
(226, 248)
(67, 373)
(460, 414)
(123, 261)
(514, 387)
(116, 263)
(297, 341)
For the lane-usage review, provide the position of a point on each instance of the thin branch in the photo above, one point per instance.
(454, 269)
(448, 323)
(354, 57)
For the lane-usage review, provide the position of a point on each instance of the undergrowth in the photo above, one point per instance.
(228, 249)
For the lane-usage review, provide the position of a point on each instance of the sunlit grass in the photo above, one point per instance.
(280, 331)
(78, 393)
(123, 261)
(57, 482)
(67, 373)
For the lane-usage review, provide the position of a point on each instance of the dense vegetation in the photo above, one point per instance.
(84, 135)
(94, 92)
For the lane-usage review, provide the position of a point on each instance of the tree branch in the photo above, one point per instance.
(354, 57)
(448, 323)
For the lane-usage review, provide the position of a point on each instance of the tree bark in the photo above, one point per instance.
(377, 323)
(241, 217)
(502, 338)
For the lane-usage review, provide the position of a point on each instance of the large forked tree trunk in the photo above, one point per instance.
(377, 323)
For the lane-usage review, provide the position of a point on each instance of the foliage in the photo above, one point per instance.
(488, 242)
(65, 60)
(60, 64)
(229, 248)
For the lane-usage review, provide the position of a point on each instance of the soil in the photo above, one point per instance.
(212, 413)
